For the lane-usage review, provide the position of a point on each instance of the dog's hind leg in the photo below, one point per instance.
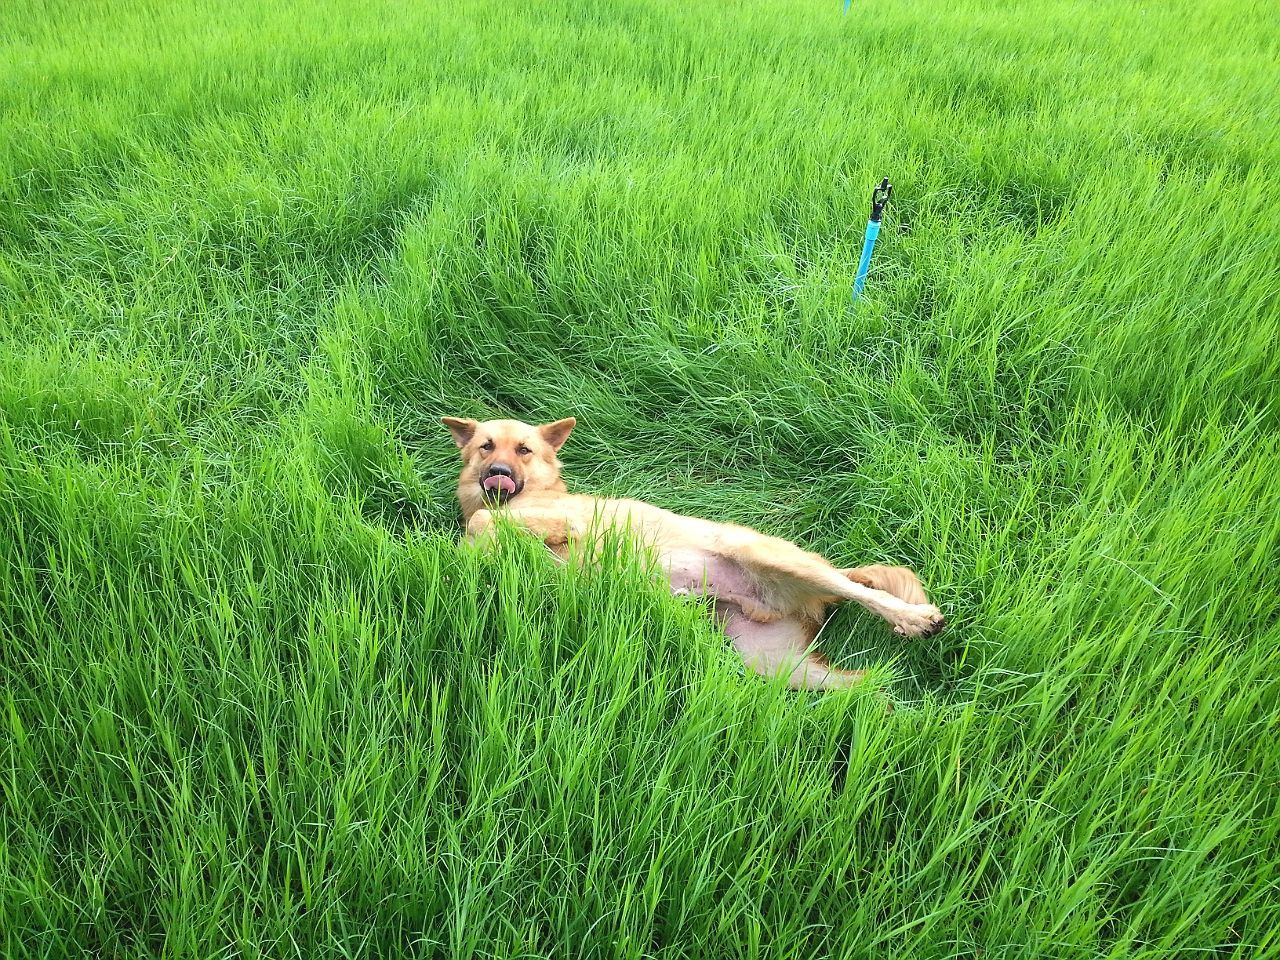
(796, 580)
(899, 581)
(780, 648)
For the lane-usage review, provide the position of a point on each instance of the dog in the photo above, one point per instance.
(770, 596)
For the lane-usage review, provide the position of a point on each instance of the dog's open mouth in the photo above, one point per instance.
(499, 488)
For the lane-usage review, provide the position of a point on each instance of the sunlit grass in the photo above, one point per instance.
(254, 701)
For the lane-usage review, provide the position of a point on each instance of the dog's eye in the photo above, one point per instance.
(487, 446)
(523, 450)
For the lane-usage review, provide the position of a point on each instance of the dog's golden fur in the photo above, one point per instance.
(770, 595)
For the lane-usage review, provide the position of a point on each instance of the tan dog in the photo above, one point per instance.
(770, 595)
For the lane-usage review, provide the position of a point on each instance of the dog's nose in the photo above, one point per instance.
(499, 470)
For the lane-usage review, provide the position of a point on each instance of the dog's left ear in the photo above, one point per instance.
(557, 433)
(462, 430)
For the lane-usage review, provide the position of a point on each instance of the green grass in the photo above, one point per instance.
(255, 702)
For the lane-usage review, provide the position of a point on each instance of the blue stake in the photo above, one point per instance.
(847, 5)
(879, 197)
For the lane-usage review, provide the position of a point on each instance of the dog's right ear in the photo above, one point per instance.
(462, 430)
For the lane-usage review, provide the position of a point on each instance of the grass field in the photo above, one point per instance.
(254, 701)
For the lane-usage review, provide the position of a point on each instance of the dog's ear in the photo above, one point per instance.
(557, 433)
(462, 430)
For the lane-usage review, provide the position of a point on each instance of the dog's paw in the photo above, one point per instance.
(481, 528)
(919, 620)
(755, 611)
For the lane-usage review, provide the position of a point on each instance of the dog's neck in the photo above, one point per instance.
(471, 499)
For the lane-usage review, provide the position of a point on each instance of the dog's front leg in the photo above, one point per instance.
(551, 527)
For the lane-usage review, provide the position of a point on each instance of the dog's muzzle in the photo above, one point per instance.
(499, 483)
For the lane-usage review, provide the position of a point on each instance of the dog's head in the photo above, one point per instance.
(501, 459)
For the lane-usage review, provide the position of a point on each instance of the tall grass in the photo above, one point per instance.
(254, 701)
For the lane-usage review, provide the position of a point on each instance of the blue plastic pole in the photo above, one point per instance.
(879, 197)
(847, 5)
(868, 244)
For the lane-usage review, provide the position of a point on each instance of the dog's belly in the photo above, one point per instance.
(705, 573)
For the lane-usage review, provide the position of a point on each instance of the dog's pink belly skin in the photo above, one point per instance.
(703, 573)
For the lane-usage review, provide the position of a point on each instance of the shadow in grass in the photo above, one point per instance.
(919, 668)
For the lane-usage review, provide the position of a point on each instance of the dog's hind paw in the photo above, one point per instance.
(919, 620)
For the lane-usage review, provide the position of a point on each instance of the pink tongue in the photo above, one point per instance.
(505, 484)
